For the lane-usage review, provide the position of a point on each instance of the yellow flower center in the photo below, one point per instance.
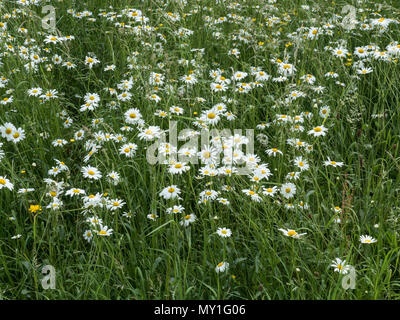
(91, 172)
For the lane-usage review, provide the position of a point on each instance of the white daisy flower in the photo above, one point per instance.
(170, 192)
(288, 190)
(91, 172)
(367, 239)
(222, 267)
(292, 233)
(224, 232)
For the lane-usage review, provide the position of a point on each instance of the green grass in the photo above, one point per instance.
(161, 259)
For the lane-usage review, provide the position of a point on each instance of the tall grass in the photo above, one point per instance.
(161, 259)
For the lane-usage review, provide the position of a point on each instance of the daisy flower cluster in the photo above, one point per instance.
(241, 137)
